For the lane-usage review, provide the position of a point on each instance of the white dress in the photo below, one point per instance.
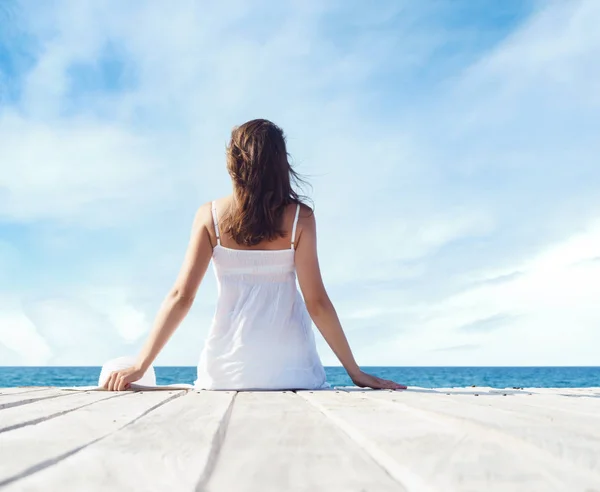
(261, 336)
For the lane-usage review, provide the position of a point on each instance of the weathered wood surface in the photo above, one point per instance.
(17, 399)
(277, 441)
(416, 441)
(21, 389)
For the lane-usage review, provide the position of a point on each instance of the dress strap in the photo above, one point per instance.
(294, 227)
(216, 222)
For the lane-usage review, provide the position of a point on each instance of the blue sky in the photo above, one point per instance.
(451, 145)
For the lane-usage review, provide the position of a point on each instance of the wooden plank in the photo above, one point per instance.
(442, 453)
(575, 392)
(549, 407)
(569, 399)
(45, 409)
(167, 449)
(27, 450)
(574, 406)
(277, 442)
(18, 399)
(569, 439)
(21, 389)
(560, 413)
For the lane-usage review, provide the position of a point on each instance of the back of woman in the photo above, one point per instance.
(261, 336)
(261, 239)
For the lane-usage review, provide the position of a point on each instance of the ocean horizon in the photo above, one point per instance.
(426, 377)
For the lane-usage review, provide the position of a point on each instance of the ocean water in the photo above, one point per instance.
(426, 377)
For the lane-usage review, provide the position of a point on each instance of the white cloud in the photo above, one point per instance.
(547, 313)
(424, 195)
(9, 357)
(20, 337)
(76, 170)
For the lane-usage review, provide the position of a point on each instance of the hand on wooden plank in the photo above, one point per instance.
(120, 380)
(364, 380)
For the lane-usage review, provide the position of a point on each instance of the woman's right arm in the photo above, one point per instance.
(321, 309)
(175, 306)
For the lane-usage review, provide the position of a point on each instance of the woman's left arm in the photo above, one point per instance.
(175, 306)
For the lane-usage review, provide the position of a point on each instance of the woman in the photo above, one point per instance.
(259, 239)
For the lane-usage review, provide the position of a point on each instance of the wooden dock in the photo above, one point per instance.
(473, 439)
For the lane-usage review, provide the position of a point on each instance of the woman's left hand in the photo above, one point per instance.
(120, 380)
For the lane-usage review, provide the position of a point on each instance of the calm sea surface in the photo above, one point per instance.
(427, 377)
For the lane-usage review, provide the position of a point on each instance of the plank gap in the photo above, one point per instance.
(56, 459)
(27, 401)
(503, 438)
(216, 445)
(404, 477)
(39, 420)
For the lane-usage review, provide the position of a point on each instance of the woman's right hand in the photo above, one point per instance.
(121, 380)
(364, 380)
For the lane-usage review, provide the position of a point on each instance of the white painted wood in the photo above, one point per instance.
(569, 439)
(471, 390)
(581, 402)
(578, 392)
(31, 448)
(575, 406)
(167, 449)
(277, 442)
(550, 407)
(38, 411)
(443, 453)
(21, 389)
(360, 440)
(17, 399)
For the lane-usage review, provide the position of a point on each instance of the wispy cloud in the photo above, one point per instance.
(452, 150)
(488, 324)
(459, 348)
(9, 357)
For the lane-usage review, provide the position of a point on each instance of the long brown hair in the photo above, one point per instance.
(263, 179)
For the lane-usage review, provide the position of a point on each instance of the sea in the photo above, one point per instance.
(424, 377)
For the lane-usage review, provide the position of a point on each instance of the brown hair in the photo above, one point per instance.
(257, 161)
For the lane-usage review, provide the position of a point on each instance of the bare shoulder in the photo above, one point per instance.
(222, 202)
(306, 224)
(306, 219)
(204, 212)
(203, 215)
